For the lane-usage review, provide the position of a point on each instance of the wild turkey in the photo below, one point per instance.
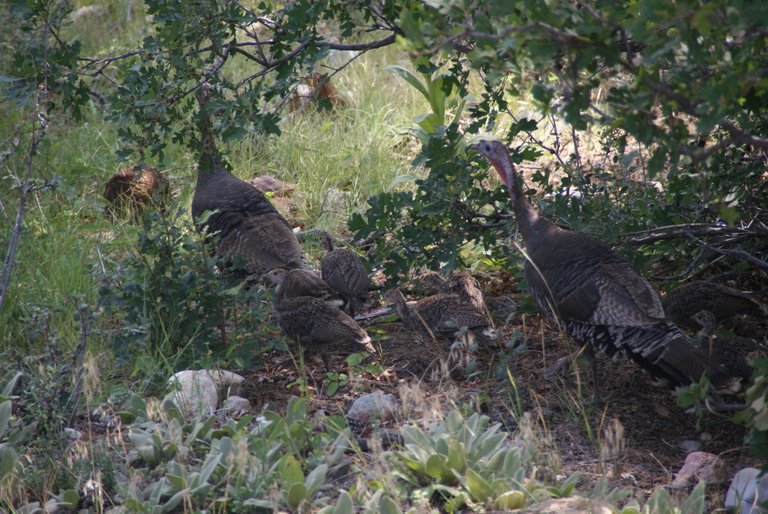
(599, 298)
(442, 316)
(731, 351)
(460, 283)
(320, 329)
(303, 282)
(683, 303)
(343, 270)
(252, 235)
(130, 190)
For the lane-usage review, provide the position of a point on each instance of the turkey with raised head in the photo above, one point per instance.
(684, 302)
(252, 236)
(442, 316)
(344, 271)
(320, 329)
(302, 282)
(598, 297)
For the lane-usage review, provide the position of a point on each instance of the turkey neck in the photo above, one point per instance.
(210, 163)
(529, 223)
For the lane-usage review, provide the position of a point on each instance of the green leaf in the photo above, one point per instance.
(436, 466)
(344, 504)
(5, 416)
(388, 506)
(290, 471)
(296, 495)
(478, 487)
(411, 78)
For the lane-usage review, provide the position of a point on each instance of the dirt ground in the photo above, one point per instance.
(645, 449)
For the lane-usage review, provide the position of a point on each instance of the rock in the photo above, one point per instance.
(194, 392)
(700, 467)
(376, 405)
(570, 505)
(236, 406)
(226, 382)
(690, 445)
(747, 491)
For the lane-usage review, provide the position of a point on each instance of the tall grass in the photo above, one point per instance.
(67, 244)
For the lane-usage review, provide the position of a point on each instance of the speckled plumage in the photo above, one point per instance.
(302, 282)
(683, 303)
(251, 234)
(598, 297)
(318, 327)
(442, 316)
(460, 283)
(732, 351)
(344, 272)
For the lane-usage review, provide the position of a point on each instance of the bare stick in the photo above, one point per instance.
(39, 128)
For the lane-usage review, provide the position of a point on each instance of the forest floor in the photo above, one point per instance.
(636, 437)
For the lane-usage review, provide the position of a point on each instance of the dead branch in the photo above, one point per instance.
(741, 254)
(39, 129)
(687, 230)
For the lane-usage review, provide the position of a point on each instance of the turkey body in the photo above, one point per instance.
(252, 235)
(344, 272)
(302, 282)
(460, 283)
(683, 303)
(596, 295)
(601, 300)
(319, 328)
(443, 316)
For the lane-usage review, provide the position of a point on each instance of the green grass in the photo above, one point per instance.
(357, 150)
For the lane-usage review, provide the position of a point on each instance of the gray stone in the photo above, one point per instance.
(747, 491)
(570, 505)
(376, 405)
(236, 406)
(226, 382)
(700, 467)
(194, 392)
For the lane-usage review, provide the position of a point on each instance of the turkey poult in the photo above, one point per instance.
(303, 282)
(733, 352)
(343, 270)
(683, 303)
(461, 284)
(252, 235)
(319, 328)
(442, 316)
(599, 298)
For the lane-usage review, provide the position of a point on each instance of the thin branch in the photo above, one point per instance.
(39, 129)
(727, 251)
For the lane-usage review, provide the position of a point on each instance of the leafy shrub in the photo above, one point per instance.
(252, 464)
(168, 302)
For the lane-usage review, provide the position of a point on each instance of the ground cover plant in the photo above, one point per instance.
(642, 123)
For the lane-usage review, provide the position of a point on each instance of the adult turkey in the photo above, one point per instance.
(320, 329)
(252, 235)
(598, 297)
(343, 270)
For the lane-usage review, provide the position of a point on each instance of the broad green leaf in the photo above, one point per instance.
(411, 78)
(436, 466)
(344, 504)
(296, 495)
